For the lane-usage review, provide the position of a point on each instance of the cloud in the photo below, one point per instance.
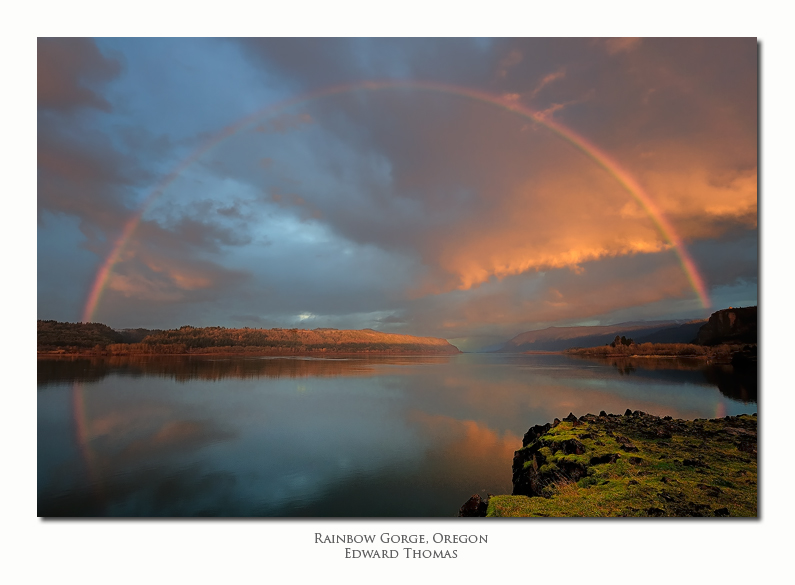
(621, 45)
(513, 58)
(291, 200)
(475, 201)
(529, 209)
(546, 80)
(558, 297)
(174, 437)
(283, 123)
(151, 272)
(83, 175)
(391, 319)
(68, 71)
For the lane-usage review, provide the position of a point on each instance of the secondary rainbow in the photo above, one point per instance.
(588, 149)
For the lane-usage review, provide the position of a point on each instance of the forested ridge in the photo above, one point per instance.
(55, 337)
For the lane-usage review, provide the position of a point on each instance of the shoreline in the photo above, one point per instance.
(645, 355)
(59, 354)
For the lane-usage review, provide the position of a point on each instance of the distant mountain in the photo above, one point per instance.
(684, 333)
(560, 338)
(493, 348)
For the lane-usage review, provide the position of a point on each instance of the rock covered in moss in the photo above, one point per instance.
(635, 465)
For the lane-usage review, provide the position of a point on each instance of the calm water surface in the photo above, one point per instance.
(354, 437)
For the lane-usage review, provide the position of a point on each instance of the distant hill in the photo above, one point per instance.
(208, 339)
(101, 339)
(561, 338)
(54, 334)
(684, 333)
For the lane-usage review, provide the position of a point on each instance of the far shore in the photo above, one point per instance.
(714, 353)
(95, 354)
(644, 355)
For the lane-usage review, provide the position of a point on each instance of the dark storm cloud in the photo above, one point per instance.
(315, 63)
(96, 173)
(70, 71)
(81, 173)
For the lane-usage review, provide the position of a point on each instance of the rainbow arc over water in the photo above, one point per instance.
(598, 156)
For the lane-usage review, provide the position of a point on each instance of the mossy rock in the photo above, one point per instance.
(635, 465)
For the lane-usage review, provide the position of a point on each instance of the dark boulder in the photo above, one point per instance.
(569, 447)
(693, 463)
(608, 458)
(534, 433)
(474, 507)
(572, 470)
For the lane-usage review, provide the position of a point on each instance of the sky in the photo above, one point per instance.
(265, 183)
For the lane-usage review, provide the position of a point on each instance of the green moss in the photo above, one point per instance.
(703, 468)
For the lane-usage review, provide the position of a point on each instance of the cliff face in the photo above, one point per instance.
(730, 326)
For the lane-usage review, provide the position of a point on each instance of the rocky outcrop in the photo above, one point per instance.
(634, 465)
(733, 325)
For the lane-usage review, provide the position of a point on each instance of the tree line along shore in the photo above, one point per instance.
(717, 353)
(58, 338)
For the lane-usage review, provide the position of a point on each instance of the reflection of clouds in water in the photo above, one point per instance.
(238, 445)
(462, 447)
(175, 436)
(517, 397)
(132, 419)
(335, 430)
(162, 490)
(457, 458)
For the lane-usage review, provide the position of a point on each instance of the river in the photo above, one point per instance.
(347, 437)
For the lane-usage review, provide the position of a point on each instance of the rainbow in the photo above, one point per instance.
(598, 156)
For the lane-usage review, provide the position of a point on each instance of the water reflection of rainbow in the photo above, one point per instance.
(83, 440)
(597, 156)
